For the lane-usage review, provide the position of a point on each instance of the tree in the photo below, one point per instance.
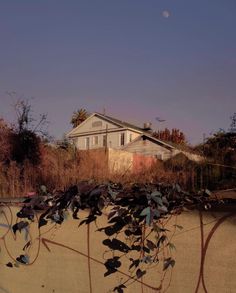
(25, 137)
(220, 147)
(175, 135)
(78, 117)
(5, 133)
(233, 123)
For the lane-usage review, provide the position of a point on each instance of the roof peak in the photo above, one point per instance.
(121, 122)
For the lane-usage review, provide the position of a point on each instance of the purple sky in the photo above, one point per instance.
(123, 55)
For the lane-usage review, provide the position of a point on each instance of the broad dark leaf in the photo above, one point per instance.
(140, 273)
(128, 232)
(136, 247)
(150, 245)
(168, 262)
(113, 262)
(42, 222)
(111, 230)
(110, 271)
(116, 244)
(19, 226)
(24, 259)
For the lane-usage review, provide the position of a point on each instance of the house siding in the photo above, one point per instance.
(113, 138)
(88, 127)
(146, 147)
(120, 161)
(134, 135)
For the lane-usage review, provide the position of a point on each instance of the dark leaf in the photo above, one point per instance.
(111, 265)
(116, 244)
(128, 232)
(19, 226)
(27, 245)
(135, 263)
(146, 249)
(24, 259)
(112, 213)
(119, 288)
(107, 242)
(111, 230)
(150, 245)
(116, 219)
(113, 262)
(136, 247)
(42, 222)
(168, 262)
(161, 240)
(109, 272)
(140, 273)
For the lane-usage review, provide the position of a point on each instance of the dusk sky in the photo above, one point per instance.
(140, 59)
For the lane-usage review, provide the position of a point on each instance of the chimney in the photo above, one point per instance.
(147, 126)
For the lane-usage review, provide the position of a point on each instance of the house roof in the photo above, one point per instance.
(152, 139)
(115, 121)
(120, 122)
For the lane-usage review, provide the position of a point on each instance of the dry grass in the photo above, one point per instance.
(59, 168)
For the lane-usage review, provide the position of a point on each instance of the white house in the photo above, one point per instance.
(150, 146)
(99, 131)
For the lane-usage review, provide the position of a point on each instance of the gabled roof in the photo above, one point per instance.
(115, 121)
(120, 122)
(145, 136)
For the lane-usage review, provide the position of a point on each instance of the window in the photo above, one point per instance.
(104, 141)
(87, 143)
(130, 137)
(95, 140)
(122, 139)
(96, 123)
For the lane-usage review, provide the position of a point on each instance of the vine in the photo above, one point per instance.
(136, 223)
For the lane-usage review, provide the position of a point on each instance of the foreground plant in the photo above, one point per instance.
(137, 219)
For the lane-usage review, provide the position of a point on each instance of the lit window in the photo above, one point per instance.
(95, 140)
(87, 143)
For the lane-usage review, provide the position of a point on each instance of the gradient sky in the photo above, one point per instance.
(123, 55)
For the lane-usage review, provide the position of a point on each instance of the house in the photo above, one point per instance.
(147, 145)
(99, 131)
(127, 145)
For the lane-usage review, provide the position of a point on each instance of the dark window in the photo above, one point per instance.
(122, 139)
(104, 140)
